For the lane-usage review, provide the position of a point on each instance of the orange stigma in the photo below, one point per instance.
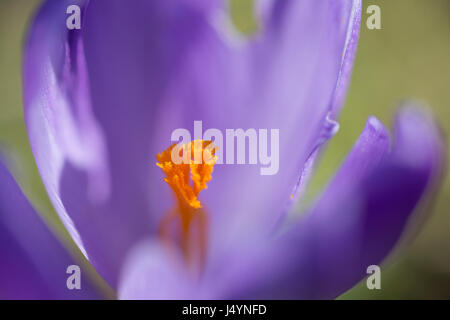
(188, 168)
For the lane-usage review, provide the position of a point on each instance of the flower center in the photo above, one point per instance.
(188, 168)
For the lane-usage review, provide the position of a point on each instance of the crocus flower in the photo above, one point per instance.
(101, 103)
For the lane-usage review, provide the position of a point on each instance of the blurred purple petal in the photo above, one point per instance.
(33, 262)
(62, 129)
(154, 272)
(348, 58)
(269, 12)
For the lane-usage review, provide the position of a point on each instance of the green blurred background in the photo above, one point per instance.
(408, 58)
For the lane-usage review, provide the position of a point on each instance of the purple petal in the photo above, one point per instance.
(62, 130)
(152, 271)
(268, 10)
(33, 263)
(269, 13)
(348, 58)
(296, 61)
(356, 222)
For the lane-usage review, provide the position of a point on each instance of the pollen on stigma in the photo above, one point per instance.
(188, 168)
(190, 174)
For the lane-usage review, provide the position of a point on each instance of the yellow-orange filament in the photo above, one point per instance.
(188, 169)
